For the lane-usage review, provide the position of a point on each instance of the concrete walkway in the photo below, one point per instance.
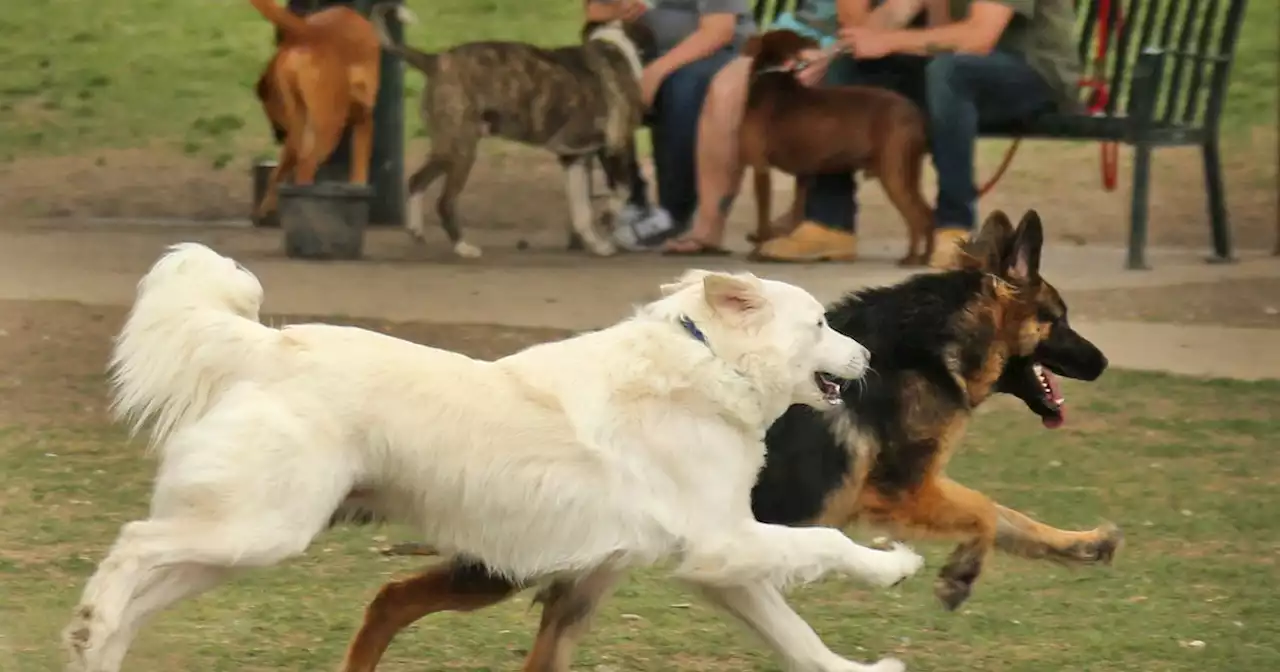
(545, 287)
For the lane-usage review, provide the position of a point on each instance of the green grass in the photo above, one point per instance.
(1187, 467)
(178, 75)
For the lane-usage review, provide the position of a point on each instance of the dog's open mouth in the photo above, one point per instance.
(830, 387)
(1053, 400)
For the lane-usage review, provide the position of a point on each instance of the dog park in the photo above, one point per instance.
(126, 128)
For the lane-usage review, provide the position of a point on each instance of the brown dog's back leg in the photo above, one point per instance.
(457, 585)
(901, 163)
(566, 616)
(361, 147)
(762, 181)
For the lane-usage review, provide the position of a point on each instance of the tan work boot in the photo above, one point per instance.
(810, 241)
(946, 247)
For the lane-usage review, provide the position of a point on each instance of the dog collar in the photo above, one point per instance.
(693, 330)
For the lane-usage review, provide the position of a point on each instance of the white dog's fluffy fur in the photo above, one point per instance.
(585, 454)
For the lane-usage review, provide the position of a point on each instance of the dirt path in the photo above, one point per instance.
(1060, 179)
(1231, 309)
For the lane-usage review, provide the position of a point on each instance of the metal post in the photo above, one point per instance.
(386, 167)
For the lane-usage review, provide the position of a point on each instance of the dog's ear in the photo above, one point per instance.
(753, 45)
(988, 250)
(1023, 263)
(733, 294)
(688, 279)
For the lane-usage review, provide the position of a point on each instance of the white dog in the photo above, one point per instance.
(578, 456)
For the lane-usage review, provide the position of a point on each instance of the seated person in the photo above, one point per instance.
(830, 206)
(998, 62)
(695, 38)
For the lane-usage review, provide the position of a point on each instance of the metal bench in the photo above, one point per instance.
(1166, 67)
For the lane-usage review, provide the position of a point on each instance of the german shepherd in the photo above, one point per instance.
(941, 344)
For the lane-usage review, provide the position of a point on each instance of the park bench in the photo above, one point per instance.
(1162, 83)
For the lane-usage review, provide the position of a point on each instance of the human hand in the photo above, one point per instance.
(630, 10)
(816, 62)
(867, 43)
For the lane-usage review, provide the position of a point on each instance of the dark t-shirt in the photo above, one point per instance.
(1042, 32)
(673, 20)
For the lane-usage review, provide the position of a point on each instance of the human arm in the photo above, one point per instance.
(716, 29)
(977, 33)
(604, 11)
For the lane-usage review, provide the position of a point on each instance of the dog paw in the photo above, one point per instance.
(901, 563)
(887, 665)
(1103, 551)
(952, 592)
(466, 250)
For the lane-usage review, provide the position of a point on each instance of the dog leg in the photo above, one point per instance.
(433, 168)
(162, 587)
(156, 563)
(899, 175)
(460, 164)
(1019, 534)
(782, 555)
(566, 616)
(318, 143)
(763, 609)
(361, 146)
(270, 196)
(578, 189)
(457, 585)
(942, 507)
(763, 187)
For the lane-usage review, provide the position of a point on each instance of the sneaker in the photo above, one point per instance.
(946, 247)
(638, 229)
(810, 241)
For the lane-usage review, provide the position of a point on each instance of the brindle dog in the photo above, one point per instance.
(941, 344)
(577, 101)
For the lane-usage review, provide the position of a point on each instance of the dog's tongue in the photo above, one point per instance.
(1056, 393)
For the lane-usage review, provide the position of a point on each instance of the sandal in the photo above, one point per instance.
(692, 247)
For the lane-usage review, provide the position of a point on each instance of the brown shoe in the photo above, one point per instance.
(946, 247)
(810, 241)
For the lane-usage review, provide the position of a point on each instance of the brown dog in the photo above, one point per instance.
(323, 76)
(808, 131)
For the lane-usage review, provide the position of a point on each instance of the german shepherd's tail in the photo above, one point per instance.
(285, 21)
(420, 60)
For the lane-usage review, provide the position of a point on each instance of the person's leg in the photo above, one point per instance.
(827, 230)
(678, 107)
(961, 90)
(718, 165)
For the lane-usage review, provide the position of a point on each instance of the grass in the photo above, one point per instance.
(1187, 467)
(144, 73)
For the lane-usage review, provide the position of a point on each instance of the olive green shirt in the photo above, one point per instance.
(1042, 32)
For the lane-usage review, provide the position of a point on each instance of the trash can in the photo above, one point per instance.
(325, 220)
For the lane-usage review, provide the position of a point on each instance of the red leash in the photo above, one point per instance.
(1099, 98)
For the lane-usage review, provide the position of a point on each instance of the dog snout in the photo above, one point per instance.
(860, 360)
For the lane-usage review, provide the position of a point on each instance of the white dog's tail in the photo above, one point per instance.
(192, 333)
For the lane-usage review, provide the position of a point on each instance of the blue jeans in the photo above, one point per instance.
(831, 200)
(963, 90)
(676, 109)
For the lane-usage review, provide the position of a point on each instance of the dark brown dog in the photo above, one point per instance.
(807, 131)
(322, 77)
